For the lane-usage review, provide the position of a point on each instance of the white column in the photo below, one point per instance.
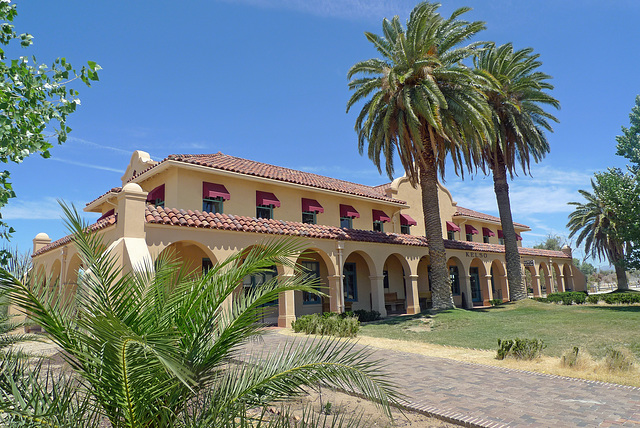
(377, 294)
(413, 296)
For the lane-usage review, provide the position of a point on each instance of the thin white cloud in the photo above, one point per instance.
(349, 9)
(88, 165)
(43, 209)
(356, 176)
(101, 146)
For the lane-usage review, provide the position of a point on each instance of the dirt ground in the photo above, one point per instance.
(315, 401)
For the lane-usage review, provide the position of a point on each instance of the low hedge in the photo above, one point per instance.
(566, 298)
(327, 324)
(615, 298)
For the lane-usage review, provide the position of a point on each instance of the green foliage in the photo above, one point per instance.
(620, 298)
(33, 97)
(552, 242)
(566, 298)
(327, 324)
(629, 142)
(495, 302)
(594, 298)
(520, 349)
(618, 359)
(151, 344)
(367, 316)
(586, 268)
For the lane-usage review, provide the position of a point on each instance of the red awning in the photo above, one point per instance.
(487, 232)
(379, 215)
(155, 194)
(311, 205)
(213, 190)
(518, 237)
(107, 214)
(348, 211)
(266, 198)
(452, 227)
(470, 229)
(406, 220)
(500, 235)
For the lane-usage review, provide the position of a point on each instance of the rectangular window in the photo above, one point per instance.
(156, 196)
(455, 280)
(405, 229)
(264, 211)
(312, 272)
(309, 217)
(485, 239)
(212, 205)
(451, 235)
(470, 237)
(258, 279)
(501, 241)
(346, 222)
(378, 226)
(349, 283)
(385, 281)
(158, 203)
(206, 265)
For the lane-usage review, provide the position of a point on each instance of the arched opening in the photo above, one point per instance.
(395, 285)
(531, 282)
(557, 278)
(568, 278)
(357, 282)
(195, 257)
(316, 265)
(270, 314)
(546, 285)
(424, 282)
(456, 276)
(480, 293)
(499, 288)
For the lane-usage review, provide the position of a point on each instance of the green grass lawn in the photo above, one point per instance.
(593, 328)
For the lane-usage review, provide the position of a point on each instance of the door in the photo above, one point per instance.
(474, 278)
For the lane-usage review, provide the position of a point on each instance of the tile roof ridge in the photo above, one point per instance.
(98, 225)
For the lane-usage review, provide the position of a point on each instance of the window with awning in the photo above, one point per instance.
(156, 196)
(311, 206)
(487, 232)
(267, 199)
(214, 190)
(379, 215)
(470, 230)
(452, 227)
(348, 211)
(407, 220)
(501, 236)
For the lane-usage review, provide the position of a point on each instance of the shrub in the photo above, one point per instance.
(495, 302)
(618, 359)
(567, 298)
(520, 349)
(570, 358)
(594, 298)
(327, 324)
(541, 299)
(367, 316)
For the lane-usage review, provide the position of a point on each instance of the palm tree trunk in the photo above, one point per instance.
(511, 254)
(621, 276)
(440, 282)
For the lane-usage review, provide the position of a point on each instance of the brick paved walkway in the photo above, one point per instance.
(486, 396)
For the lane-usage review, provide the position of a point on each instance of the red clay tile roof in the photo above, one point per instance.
(205, 220)
(259, 169)
(102, 224)
(460, 211)
(114, 190)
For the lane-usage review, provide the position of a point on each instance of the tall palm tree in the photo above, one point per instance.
(423, 104)
(515, 92)
(597, 225)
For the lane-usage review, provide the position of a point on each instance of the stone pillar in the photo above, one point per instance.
(535, 283)
(489, 296)
(561, 284)
(41, 240)
(505, 288)
(413, 296)
(286, 304)
(131, 245)
(335, 287)
(465, 287)
(377, 294)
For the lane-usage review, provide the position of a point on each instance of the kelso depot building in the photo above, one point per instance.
(369, 241)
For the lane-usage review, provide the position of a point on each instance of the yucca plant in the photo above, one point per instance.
(152, 347)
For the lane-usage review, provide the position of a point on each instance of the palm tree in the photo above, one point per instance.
(152, 347)
(597, 225)
(424, 104)
(515, 93)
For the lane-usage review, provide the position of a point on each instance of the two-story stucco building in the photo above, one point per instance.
(366, 244)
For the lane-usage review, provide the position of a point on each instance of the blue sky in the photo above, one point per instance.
(266, 80)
